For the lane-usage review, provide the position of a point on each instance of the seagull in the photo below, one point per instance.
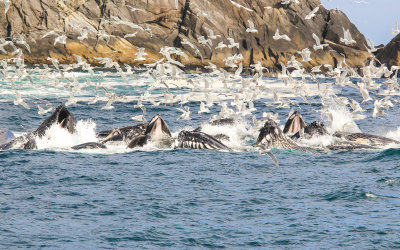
(19, 100)
(60, 39)
(232, 43)
(396, 30)
(111, 98)
(185, 113)
(356, 106)
(377, 109)
(364, 93)
(221, 45)
(203, 108)
(251, 28)
(131, 8)
(141, 106)
(289, 1)
(318, 44)
(84, 33)
(22, 42)
(241, 6)
(139, 118)
(103, 34)
(130, 35)
(140, 54)
(347, 39)
(43, 111)
(6, 5)
(305, 54)
(277, 36)
(312, 13)
(371, 48)
(211, 34)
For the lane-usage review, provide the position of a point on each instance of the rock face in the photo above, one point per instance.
(390, 54)
(159, 23)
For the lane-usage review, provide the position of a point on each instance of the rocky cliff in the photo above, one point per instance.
(390, 54)
(188, 24)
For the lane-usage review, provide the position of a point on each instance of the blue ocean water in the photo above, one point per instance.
(186, 199)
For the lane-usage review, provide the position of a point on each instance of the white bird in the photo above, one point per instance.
(396, 30)
(206, 42)
(60, 39)
(21, 41)
(130, 35)
(139, 118)
(277, 36)
(83, 33)
(42, 111)
(103, 34)
(19, 101)
(347, 39)
(6, 5)
(305, 54)
(232, 43)
(364, 93)
(377, 109)
(203, 108)
(241, 6)
(221, 45)
(312, 13)
(51, 32)
(141, 106)
(316, 69)
(371, 48)
(131, 8)
(211, 34)
(111, 99)
(140, 54)
(185, 113)
(251, 28)
(289, 1)
(356, 106)
(318, 44)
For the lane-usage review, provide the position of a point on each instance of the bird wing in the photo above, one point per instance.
(317, 41)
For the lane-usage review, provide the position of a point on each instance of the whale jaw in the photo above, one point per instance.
(294, 124)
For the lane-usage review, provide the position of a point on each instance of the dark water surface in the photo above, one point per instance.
(196, 199)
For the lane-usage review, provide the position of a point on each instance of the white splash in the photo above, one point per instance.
(341, 119)
(58, 137)
(395, 135)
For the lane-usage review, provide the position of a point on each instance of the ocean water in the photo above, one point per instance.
(149, 198)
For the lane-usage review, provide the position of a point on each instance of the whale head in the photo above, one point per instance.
(315, 128)
(270, 133)
(61, 116)
(157, 129)
(294, 124)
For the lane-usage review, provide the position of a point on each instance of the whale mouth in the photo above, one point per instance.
(158, 128)
(61, 116)
(294, 124)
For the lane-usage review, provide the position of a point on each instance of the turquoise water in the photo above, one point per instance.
(181, 198)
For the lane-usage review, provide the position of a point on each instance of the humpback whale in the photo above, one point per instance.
(126, 134)
(156, 130)
(271, 136)
(61, 116)
(350, 140)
